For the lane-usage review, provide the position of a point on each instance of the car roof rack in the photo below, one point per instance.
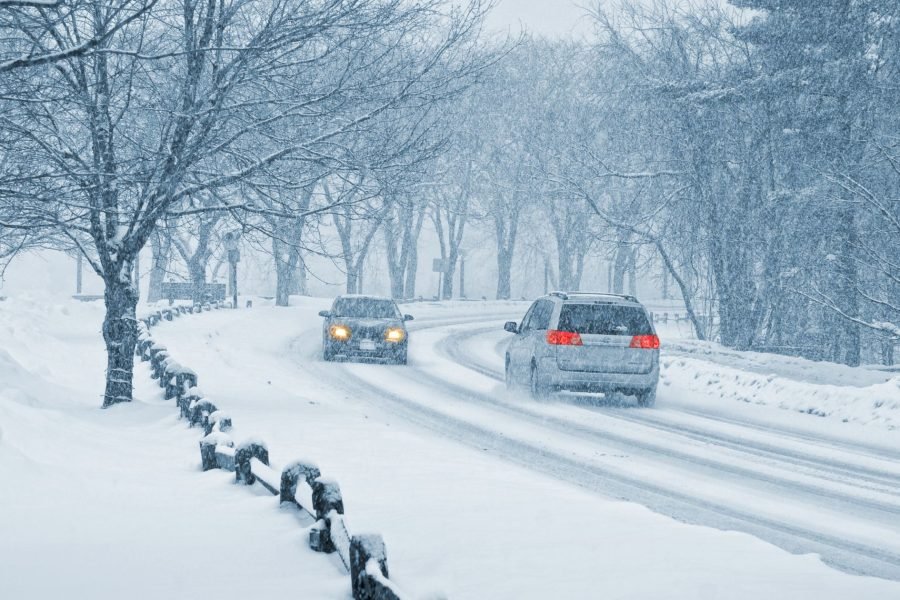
(568, 295)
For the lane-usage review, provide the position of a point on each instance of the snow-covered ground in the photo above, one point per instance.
(484, 494)
(111, 504)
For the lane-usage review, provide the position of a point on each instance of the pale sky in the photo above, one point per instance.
(552, 18)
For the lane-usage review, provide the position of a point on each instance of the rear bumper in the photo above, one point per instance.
(590, 381)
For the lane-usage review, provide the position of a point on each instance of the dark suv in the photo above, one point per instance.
(365, 327)
(585, 342)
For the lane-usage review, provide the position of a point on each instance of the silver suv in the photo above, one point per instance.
(585, 342)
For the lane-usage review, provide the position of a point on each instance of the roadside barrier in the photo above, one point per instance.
(299, 484)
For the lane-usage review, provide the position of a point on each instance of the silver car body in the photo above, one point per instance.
(604, 363)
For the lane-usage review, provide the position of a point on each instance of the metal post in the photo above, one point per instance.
(462, 275)
(78, 272)
(231, 240)
(546, 277)
(232, 282)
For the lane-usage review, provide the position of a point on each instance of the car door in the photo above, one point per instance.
(519, 351)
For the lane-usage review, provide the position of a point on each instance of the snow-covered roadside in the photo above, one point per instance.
(456, 519)
(111, 504)
(700, 370)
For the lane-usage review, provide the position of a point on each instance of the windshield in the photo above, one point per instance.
(604, 319)
(365, 307)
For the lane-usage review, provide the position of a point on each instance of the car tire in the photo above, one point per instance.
(507, 376)
(327, 355)
(539, 391)
(646, 398)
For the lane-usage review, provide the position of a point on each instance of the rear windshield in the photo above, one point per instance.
(604, 319)
(365, 307)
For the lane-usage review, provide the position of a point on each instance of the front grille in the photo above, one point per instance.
(369, 333)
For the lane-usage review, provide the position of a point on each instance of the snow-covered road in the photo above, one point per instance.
(805, 493)
(454, 506)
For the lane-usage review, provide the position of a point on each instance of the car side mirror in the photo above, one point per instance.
(325, 313)
(511, 326)
(408, 317)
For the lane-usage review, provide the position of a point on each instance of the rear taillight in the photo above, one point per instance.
(563, 338)
(647, 342)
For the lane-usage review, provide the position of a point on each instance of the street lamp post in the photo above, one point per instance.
(230, 240)
(462, 274)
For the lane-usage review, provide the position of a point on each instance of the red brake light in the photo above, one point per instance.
(647, 342)
(563, 338)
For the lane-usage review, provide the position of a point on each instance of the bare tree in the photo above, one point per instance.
(164, 106)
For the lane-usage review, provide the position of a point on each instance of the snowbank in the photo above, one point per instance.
(705, 371)
(111, 504)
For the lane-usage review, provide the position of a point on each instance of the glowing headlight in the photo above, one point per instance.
(394, 334)
(340, 332)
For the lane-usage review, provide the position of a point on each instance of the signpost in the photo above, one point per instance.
(462, 274)
(231, 240)
(440, 266)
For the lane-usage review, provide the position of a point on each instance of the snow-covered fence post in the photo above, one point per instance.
(200, 411)
(217, 421)
(185, 379)
(143, 346)
(186, 401)
(291, 476)
(158, 355)
(210, 446)
(243, 473)
(326, 497)
(369, 570)
(170, 379)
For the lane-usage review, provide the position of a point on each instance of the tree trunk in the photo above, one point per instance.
(352, 281)
(286, 260)
(848, 294)
(632, 272)
(120, 335)
(301, 283)
(504, 275)
(161, 246)
(284, 279)
(665, 283)
(447, 285)
(412, 256)
(620, 266)
(395, 259)
(685, 291)
(197, 270)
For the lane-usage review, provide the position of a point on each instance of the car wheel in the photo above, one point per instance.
(538, 389)
(327, 354)
(646, 398)
(507, 376)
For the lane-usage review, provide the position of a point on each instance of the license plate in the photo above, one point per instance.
(366, 345)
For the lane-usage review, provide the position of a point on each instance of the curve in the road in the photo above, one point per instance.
(451, 347)
(845, 554)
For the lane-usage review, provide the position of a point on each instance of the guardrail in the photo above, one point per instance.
(299, 483)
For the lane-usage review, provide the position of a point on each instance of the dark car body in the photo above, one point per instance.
(365, 327)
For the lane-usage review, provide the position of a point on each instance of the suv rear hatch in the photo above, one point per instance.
(606, 331)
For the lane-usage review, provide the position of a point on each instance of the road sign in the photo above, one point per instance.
(440, 265)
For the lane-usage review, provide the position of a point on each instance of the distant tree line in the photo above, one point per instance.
(744, 158)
